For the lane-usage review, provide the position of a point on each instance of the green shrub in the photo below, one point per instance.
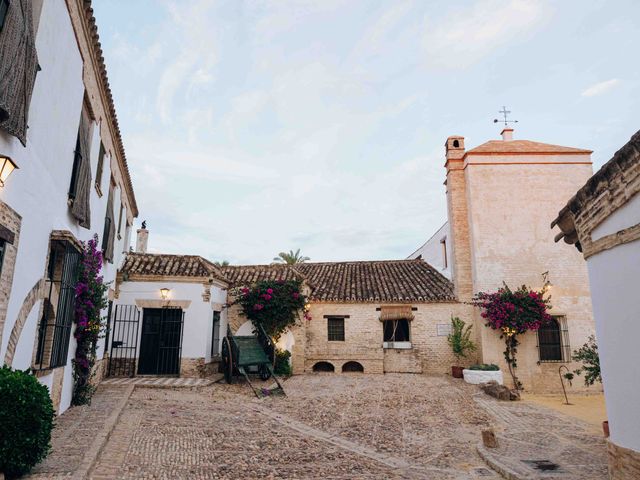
(588, 355)
(26, 420)
(485, 367)
(283, 365)
(460, 339)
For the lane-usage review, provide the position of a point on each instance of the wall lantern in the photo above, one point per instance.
(164, 293)
(6, 167)
(546, 282)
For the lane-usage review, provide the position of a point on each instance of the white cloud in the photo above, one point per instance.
(468, 34)
(600, 88)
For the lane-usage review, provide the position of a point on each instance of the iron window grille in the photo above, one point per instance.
(335, 329)
(553, 341)
(215, 335)
(58, 310)
(105, 233)
(396, 330)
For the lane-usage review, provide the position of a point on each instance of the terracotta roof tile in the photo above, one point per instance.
(244, 275)
(524, 146)
(170, 266)
(377, 281)
(368, 281)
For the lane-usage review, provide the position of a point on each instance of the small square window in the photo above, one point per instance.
(335, 329)
(396, 330)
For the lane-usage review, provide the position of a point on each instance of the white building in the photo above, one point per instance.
(498, 194)
(58, 126)
(603, 221)
(169, 316)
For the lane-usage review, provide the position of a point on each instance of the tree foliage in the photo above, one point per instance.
(291, 257)
(513, 313)
(274, 304)
(588, 356)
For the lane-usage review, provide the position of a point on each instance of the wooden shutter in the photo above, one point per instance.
(80, 208)
(109, 229)
(18, 68)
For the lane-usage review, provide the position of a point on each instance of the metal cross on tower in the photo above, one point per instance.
(504, 113)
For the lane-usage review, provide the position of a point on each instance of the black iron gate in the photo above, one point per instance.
(161, 341)
(124, 341)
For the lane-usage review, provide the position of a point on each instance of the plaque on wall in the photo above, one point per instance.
(443, 329)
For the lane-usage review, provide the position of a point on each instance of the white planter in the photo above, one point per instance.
(482, 376)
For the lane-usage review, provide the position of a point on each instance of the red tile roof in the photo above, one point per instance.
(520, 147)
(170, 266)
(376, 281)
(245, 275)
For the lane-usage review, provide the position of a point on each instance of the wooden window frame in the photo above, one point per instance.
(100, 169)
(335, 329)
(393, 342)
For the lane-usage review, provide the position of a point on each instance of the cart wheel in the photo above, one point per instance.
(265, 374)
(227, 360)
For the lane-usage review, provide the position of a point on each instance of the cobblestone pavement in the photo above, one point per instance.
(75, 432)
(527, 432)
(328, 426)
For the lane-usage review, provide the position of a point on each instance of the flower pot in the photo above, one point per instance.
(477, 377)
(456, 372)
(605, 428)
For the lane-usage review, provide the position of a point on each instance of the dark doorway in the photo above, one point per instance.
(161, 341)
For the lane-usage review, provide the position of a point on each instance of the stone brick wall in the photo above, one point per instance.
(10, 220)
(197, 368)
(430, 353)
(512, 242)
(624, 463)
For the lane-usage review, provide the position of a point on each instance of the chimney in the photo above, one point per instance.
(457, 211)
(507, 134)
(142, 239)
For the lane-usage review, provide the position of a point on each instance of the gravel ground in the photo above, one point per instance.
(340, 427)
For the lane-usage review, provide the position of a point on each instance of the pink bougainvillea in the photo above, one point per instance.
(90, 300)
(513, 313)
(276, 305)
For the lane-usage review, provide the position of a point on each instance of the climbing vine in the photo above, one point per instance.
(91, 299)
(274, 304)
(513, 313)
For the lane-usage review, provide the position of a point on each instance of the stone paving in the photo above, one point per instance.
(527, 432)
(349, 426)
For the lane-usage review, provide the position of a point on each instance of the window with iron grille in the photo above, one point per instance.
(396, 330)
(215, 335)
(335, 329)
(553, 341)
(58, 309)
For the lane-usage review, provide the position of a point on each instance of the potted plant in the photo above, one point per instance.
(483, 373)
(461, 344)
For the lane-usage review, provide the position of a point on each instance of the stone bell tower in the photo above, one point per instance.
(458, 215)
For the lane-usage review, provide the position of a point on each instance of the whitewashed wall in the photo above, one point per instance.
(38, 190)
(615, 284)
(432, 252)
(198, 317)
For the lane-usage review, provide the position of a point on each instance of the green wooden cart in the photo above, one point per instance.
(239, 352)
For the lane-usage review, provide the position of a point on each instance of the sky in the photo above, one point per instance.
(254, 127)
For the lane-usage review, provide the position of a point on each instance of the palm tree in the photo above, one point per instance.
(290, 257)
(223, 263)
